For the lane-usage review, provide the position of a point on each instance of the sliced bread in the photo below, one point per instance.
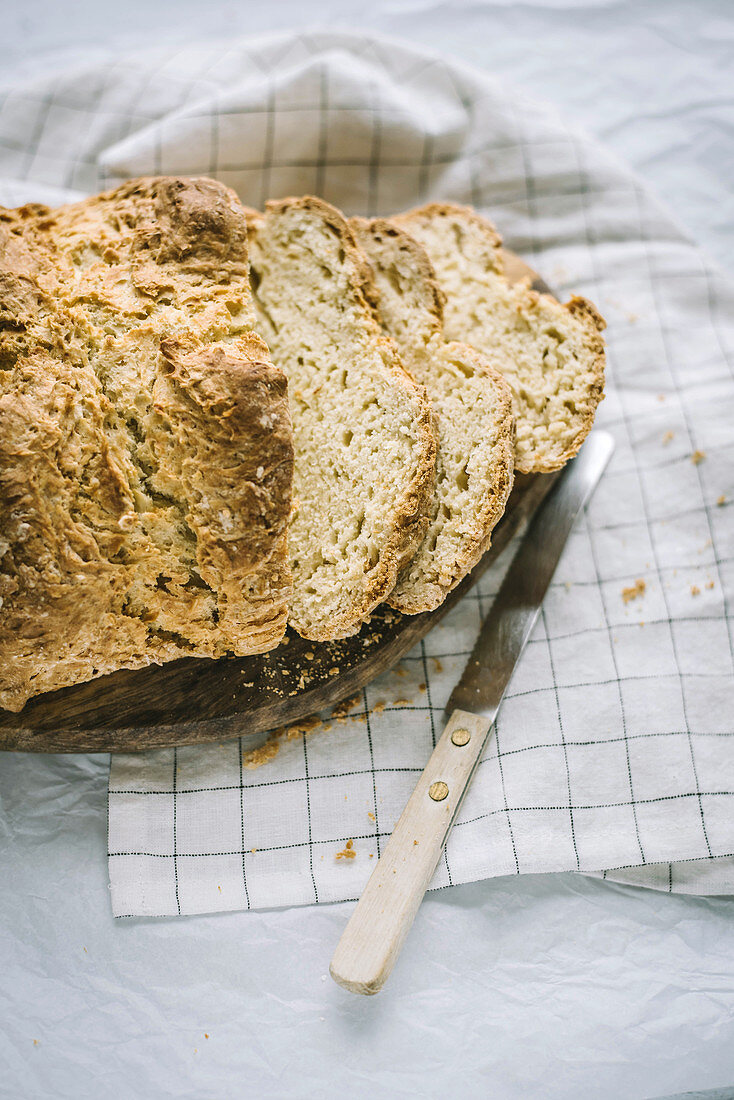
(365, 448)
(473, 408)
(551, 355)
(146, 449)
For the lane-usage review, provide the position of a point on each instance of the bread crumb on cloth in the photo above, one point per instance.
(343, 708)
(255, 758)
(263, 754)
(632, 591)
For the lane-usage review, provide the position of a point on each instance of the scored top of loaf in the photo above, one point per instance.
(145, 439)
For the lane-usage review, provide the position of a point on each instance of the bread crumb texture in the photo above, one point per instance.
(551, 355)
(365, 449)
(472, 407)
(146, 447)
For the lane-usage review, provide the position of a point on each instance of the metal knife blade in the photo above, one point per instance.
(517, 604)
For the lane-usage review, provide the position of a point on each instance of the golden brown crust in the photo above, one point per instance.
(410, 519)
(227, 450)
(143, 496)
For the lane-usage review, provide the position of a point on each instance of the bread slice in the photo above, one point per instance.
(473, 407)
(146, 449)
(552, 355)
(365, 449)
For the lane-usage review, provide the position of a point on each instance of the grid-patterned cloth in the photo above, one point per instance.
(613, 749)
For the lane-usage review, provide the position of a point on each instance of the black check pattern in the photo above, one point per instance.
(614, 745)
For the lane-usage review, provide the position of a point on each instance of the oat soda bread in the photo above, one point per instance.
(473, 407)
(145, 440)
(551, 355)
(365, 447)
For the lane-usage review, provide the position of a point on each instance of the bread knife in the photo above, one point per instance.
(371, 942)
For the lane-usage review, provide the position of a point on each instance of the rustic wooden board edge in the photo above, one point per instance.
(22, 737)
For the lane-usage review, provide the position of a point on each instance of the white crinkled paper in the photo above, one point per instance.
(537, 985)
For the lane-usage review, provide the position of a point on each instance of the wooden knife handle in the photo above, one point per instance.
(371, 942)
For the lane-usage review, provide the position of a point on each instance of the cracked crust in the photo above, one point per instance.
(145, 440)
(475, 423)
(352, 532)
(551, 354)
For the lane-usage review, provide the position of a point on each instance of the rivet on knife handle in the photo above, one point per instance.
(372, 940)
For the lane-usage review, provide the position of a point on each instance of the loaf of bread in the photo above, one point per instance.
(146, 447)
(365, 448)
(149, 444)
(551, 355)
(473, 408)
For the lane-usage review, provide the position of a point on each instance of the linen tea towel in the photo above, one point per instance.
(613, 750)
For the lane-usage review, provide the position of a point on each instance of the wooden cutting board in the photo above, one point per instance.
(196, 700)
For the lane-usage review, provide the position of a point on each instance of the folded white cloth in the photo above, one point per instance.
(613, 750)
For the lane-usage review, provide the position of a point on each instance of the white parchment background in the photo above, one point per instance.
(541, 986)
